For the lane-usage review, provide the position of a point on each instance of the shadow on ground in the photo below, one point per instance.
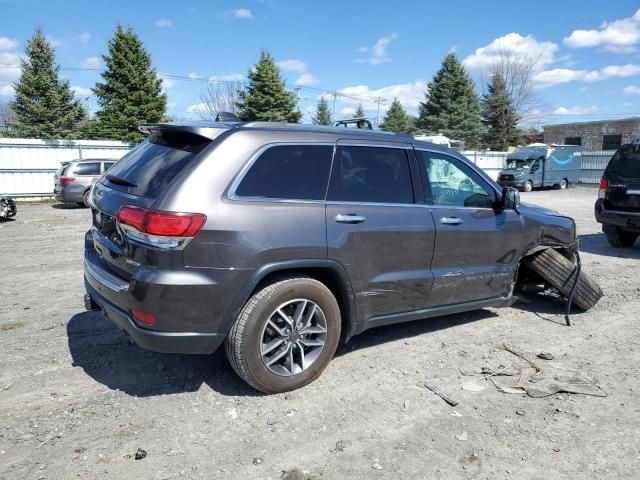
(107, 355)
(546, 306)
(67, 206)
(597, 243)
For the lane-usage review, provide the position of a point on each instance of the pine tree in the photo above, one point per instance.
(396, 119)
(499, 115)
(452, 106)
(359, 113)
(323, 115)
(44, 104)
(266, 97)
(131, 93)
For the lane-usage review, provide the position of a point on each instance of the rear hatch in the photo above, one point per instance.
(57, 183)
(623, 178)
(139, 179)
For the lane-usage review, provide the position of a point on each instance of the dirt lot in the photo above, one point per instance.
(77, 399)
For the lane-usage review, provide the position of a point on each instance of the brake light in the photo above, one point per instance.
(602, 191)
(159, 228)
(67, 179)
(144, 317)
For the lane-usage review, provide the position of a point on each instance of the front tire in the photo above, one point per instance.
(621, 239)
(285, 335)
(85, 199)
(528, 186)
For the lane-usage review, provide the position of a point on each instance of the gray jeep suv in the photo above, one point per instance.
(282, 240)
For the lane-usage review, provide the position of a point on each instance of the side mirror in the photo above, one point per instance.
(510, 199)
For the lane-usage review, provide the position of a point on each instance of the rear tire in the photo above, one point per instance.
(564, 184)
(528, 186)
(621, 239)
(559, 272)
(248, 352)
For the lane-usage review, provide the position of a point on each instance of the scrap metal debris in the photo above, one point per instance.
(441, 394)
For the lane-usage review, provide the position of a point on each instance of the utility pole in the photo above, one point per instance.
(379, 101)
(335, 96)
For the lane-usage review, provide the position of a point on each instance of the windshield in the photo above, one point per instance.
(626, 162)
(515, 163)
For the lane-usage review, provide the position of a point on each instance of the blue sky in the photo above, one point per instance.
(588, 51)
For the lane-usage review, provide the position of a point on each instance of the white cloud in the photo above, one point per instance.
(484, 58)
(193, 75)
(409, 94)
(632, 90)
(6, 90)
(569, 111)
(232, 77)
(240, 13)
(619, 36)
(85, 37)
(379, 51)
(347, 112)
(563, 75)
(198, 108)
(92, 62)
(167, 83)
(164, 23)
(81, 92)
(305, 80)
(7, 43)
(293, 65)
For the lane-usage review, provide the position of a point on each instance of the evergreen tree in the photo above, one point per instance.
(452, 106)
(499, 115)
(266, 98)
(323, 115)
(131, 93)
(44, 104)
(359, 113)
(396, 119)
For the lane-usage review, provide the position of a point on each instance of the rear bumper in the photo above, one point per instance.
(629, 221)
(166, 342)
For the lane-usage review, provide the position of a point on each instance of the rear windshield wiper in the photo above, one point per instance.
(120, 181)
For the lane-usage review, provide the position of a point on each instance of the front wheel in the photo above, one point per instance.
(528, 186)
(563, 184)
(286, 335)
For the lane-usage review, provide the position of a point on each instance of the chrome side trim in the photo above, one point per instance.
(633, 192)
(108, 280)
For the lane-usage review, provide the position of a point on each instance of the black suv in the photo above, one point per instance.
(618, 204)
(281, 240)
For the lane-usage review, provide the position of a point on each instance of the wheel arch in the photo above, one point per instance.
(329, 272)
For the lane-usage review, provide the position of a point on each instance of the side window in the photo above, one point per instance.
(449, 183)
(87, 169)
(107, 165)
(535, 166)
(371, 174)
(296, 172)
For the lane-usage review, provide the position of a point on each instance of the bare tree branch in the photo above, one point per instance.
(218, 97)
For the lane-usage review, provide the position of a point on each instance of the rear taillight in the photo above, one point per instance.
(602, 191)
(67, 179)
(159, 228)
(144, 317)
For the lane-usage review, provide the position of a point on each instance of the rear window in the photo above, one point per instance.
(83, 169)
(295, 172)
(626, 162)
(154, 163)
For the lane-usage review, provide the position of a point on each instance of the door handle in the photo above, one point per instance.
(451, 221)
(350, 218)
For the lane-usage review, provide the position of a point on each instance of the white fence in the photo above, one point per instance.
(27, 165)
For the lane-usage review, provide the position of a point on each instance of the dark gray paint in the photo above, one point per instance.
(399, 264)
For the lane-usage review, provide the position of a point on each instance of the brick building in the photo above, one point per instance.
(593, 136)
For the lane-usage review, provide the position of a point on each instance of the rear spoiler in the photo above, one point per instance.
(206, 130)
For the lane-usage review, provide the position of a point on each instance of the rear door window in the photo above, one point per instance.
(154, 163)
(626, 162)
(371, 174)
(294, 172)
(87, 169)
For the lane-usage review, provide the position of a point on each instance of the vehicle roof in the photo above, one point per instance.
(82, 160)
(212, 130)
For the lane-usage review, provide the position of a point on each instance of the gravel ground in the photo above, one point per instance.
(77, 400)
